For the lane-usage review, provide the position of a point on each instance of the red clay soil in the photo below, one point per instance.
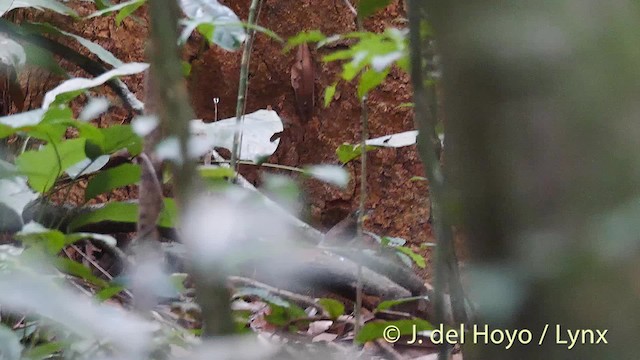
(401, 206)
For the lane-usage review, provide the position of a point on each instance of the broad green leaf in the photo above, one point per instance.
(304, 37)
(128, 10)
(186, 68)
(114, 211)
(46, 28)
(339, 55)
(109, 292)
(42, 167)
(119, 137)
(417, 258)
(76, 269)
(50, 240)
(328, 94)
(349, 152)
(169, 213)
(281, 315)
(375, 329)
(334, 307)
(216, 172)
(367, 8)
(107, 180)
(369, 80)
(385, 305)
(43, 351)
(73, 87)
(126, 212)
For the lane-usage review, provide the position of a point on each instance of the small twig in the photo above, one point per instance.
(297, 298)
(388, 348)
(242, 87)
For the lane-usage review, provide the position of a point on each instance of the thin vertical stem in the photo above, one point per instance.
(242, 86)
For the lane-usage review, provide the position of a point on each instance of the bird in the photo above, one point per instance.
(345, 231)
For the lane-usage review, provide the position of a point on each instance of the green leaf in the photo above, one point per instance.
(169, 213)
(186, 68)
(418, 178)
(128, 10)
(304, 37)
(349, 152)
(385, 305)
(92, 150)
(113, 211)
(43, 167)
(76, 269)
(281, 315)
(417, 259)
(43, 351)
(52, 241)
(46, 28)
(369, 80)
(369, 7)
(334, 307)
(107, 180)
(125, 212)
(328, 94)
(375, 329)
(216, 173)
(118, 137)
(109, 292)
(406, 105)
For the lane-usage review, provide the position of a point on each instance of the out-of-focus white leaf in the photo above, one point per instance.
(53, 5)
(94, 108)
(35, 294)
(402, 139)
(87, 166)
(15, 193)
(144, 124)
(32, 227)
(258, 129)
(11, 53)
(76, 84)
(228, 31)
(381, 62)
(27, 118)
(169, 149)
(331, 174)
(10, 347)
